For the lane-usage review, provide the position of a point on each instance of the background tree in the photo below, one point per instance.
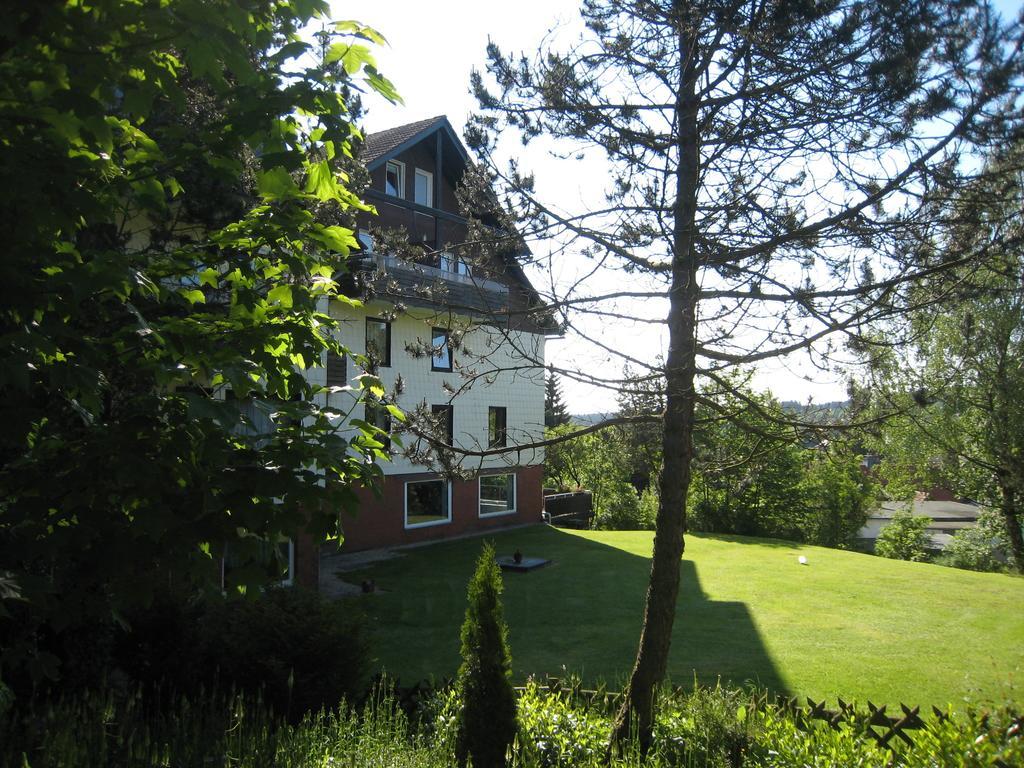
(773, 171)
(747, 468)
(960, 387)
(555, 412)
(600, 463)
(904, 538)
(171, 187)
(981, 548)
(487, 701)
(837, 494)
(639, 396)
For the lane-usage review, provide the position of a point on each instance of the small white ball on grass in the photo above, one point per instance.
(803, 560)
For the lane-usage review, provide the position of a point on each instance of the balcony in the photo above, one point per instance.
(422, 285)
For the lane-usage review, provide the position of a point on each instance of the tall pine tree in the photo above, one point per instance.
(555, 412)
(776, 171)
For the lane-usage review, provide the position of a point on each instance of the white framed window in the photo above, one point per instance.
(423, 188)
(394, 178)
(427, 502)
(497, 494)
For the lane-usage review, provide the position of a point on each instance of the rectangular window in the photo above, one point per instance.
(337, 370)
(452, 263)
(440, 341)
(423, 191)
(444, 416)
(496, 426)
(497, 495)
(377, 415)
(427, 502)
(394, 178)
(378, 342)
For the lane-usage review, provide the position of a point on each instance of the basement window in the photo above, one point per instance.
(497, 495)
(427, 502)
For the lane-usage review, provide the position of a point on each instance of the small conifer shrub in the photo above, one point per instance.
(487, 708)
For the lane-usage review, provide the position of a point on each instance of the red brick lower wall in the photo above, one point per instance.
(380, 520)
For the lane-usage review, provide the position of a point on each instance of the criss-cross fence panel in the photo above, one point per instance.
(875, 722)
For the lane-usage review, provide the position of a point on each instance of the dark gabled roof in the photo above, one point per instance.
(384, 145)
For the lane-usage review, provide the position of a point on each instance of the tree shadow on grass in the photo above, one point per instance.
(582, 614)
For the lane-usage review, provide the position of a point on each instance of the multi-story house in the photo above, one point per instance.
(456, 333)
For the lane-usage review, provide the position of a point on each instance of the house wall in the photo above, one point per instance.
(380, 521)
(492, 367)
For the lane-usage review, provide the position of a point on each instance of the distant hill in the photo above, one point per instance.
(824, 412)
(816, 412)
(589, 419)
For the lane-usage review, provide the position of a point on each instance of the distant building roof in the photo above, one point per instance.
(945, 511)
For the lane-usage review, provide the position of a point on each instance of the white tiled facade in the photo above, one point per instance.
(491, 367)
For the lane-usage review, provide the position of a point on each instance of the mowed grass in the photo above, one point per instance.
(848, 625)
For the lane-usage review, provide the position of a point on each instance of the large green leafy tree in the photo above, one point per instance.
(773, 168)
(960, 391)
(173, 198)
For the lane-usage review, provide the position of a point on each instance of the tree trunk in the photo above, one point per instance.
(637, 710)
(1011, 520)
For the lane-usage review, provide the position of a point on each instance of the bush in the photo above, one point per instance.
(905, 538)
(620, 509)
(555, 734)
(977, 549)
(704, 727)
(837, 495)
(487, 711)
(303, 651)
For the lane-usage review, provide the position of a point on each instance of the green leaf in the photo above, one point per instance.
(277, 184)
(395, 411)
(382, 85)
(370, 383)
(322, 182)
(209, 277)
(360, 30)
(281, 294)
(336, 238)
(353, 57)
(193, 296)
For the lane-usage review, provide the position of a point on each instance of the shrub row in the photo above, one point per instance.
(702, 728)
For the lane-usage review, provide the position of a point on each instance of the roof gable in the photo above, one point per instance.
(385, 145)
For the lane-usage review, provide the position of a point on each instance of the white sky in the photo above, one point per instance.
(433, 48)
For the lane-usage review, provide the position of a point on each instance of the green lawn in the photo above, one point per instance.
(847, 624)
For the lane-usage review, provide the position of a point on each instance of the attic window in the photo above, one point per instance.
(394, 178)
(423, 191)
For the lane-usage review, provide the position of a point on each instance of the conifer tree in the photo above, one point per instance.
(487, 712)
(776, 171)
(555, 412)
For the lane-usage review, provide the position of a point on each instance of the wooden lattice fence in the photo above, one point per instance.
(875, 721)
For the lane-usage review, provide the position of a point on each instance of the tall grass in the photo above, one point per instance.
(212, 729)
(701, 728)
